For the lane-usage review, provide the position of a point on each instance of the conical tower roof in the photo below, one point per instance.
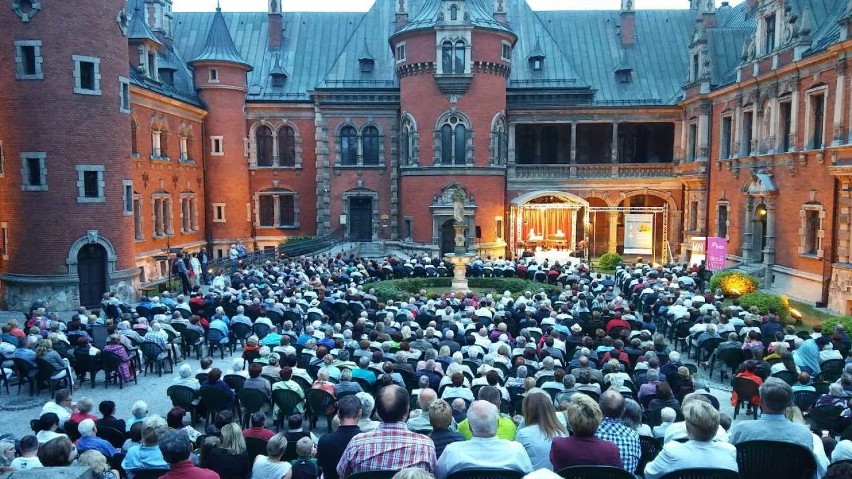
(219, 46)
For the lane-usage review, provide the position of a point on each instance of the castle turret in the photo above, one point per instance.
(66, 216)
(220, 77)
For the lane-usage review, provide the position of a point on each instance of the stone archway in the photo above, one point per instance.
(92, 273)
(92, 237)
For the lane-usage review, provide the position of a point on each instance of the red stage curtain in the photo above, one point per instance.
(546, 222)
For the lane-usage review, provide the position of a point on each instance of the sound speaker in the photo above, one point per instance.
(478, 232)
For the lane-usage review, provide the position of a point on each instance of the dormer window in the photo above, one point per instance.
(624, 75)
(278, 79)
(152, 65)
(537, 63)
(695, 66)
(453, 57)
(454, 12)
(769, 39)
(366, 65)
(167, 76)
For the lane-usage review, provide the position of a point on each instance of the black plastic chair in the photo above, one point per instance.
(191, 339)
(651, 446)
(286, 402)
(745, 390)
(762, 459)
(486, 474)
(214, 341)
(594, 472)
(155, 356)
(730, 357)
(702, 473)
(318, 404)
(3, 377)
(831, 370)
(290, 453)
(235, 382)
(26, 373)
(255, 447)
(824, 418)
(112, 369)
(241, 332)
(46, 371)
(214, 399)
(821, 387)
(149, 473)
(805, 400)
(72, 430)
(252, 401)
(261, 330)
(185, 397)
(788, 377)
(113, 436)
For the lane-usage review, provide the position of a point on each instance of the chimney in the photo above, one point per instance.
(708, 14)
(628, 23)
(275, 24)
(500, 10)
(401, 12)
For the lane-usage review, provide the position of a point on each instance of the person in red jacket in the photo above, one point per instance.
(615, 322)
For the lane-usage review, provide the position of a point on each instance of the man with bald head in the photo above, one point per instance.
(612, 430)
(391, 446)
(485, 450)
(506, 428)
(419, 420)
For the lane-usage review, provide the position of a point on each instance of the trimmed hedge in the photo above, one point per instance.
(609, 261)
(829, 324)
(402, 289)
(733, 282)
(763, 301)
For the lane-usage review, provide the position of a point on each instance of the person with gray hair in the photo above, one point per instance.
(271, 466)
(176, 449)
(700, 451)
(139, 412)
(632, 418)
(775, 396)
(518, 380)
(366, 424)
(486, 450)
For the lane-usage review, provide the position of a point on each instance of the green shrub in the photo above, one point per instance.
(763, 301)
(609, 261)
(733, 283)
(829, 324)
(402, 289)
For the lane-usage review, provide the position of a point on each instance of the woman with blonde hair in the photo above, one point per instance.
(98, 462)
(412, 473)
(541, 426)
(60, 365)
(583, 448)
(230, 459)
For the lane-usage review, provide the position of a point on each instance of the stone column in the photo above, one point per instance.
(753, 148)
(613, 232)
(748, 230)
(614, 158)
(794, 118)
(573, 153)
(736, 151)
(840, 69)
(769, 250)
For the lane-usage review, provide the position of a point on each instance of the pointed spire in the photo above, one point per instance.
(277, 68)
(219, 46)
(537, 53)
(365, 51)
(139, 29)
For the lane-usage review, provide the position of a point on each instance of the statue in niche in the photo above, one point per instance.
(458, 206)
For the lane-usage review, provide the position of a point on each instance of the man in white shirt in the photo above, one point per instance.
(485, 449)
(62, 405)
(29, 455)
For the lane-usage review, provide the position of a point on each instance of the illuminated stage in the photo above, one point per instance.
(552, 255)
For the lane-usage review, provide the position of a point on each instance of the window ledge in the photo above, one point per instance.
(361, 167)
(186, 161)
(84, 91)
(810, 256)
(293, 227)
(160, 158)
(86, 199)
(256, 167)
(33, 188)
(37, 76)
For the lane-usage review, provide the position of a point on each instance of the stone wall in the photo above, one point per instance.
(60, 293)
(52, 473)
(840, 291)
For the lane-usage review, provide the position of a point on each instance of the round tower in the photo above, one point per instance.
(66, 222)
(220, 77)
(453, 59)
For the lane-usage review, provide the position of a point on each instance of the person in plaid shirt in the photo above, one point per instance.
(611, 429)
(392, 446)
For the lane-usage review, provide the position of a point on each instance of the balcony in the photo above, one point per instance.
(592, 172)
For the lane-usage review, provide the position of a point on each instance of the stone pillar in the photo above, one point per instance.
(738, 131)
(753, 148)
(613, 232)
(573, 158)
(769, 250)
(794, 118)
(703, 136)
(748, 230)
(840, 68)
(614, 158)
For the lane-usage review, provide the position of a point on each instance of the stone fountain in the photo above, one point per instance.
(460, 257)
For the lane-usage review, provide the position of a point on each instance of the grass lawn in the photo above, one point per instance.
(811, 315)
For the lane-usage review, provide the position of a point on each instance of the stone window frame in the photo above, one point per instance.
(454, 41)
(134, 136)
(81, 183)
(469, 135)
(400, 52)
(191, 200)
(168, 220)
(19, 60)
(727, 206)
(4, 241)
(785, 99)
(359, 143)
(809, 121)
(127, 197)
(408, 222)
(213, 75)
(185, 138)
(747, 148)
(78, 87)
(42, 157)
(820, 236)
(124, 95)
(499, 228)
(276, 204)
(2, 160)
(729, 115)
(410, 133)
(213, 150)
(503, 46)
(692, 149)
(499, 137)
(159, 139)
(138, 222)
(216, 217)
(276, 147)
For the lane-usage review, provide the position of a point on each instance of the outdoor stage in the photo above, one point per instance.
(551, 255)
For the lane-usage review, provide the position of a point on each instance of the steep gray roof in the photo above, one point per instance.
(139, 29)
(825, 14)
(311, 41)
(426, 16)
(219, 46)
(535, 38)
(659, 57)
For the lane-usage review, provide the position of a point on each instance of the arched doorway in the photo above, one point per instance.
(92, 272)
(448, 235)
(759, 228)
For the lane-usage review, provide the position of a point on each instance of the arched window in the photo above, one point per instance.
(164, 141)
(498, 141)
(447, 57)
(459, 58)
(370, 145)
(348, 146)
(454, 139)
(404, 146)
(263, 139)
(286, 146)
(156, 138)
(454, 12)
